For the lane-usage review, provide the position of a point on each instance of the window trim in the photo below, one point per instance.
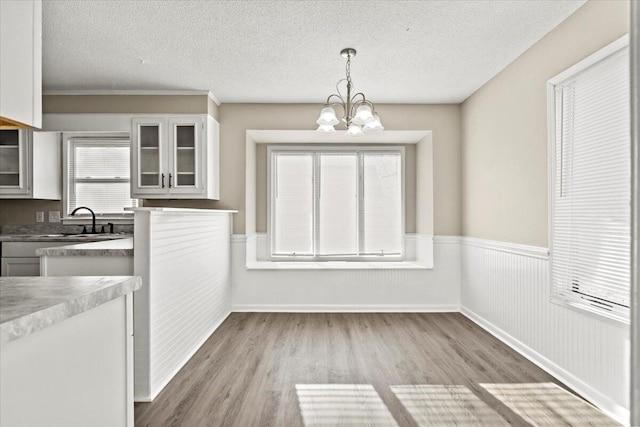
(314, 148)
(571, 72)
(69, 138)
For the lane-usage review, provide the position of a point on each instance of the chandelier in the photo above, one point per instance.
(359, 113)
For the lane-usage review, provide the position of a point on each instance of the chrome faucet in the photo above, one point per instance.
(93, 216)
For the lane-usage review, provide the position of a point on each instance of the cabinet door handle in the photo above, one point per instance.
(169, 180)
(162, 180)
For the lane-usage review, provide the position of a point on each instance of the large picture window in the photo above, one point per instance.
(98, 176)
(336, 203)
(591, 176)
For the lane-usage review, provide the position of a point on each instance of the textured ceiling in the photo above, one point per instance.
(288, 51)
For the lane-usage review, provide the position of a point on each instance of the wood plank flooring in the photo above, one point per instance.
(286, 369)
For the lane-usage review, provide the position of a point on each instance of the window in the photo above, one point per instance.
(591, 176)
(336, 203)
(98, 176)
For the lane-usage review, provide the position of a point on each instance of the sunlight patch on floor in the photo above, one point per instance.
(446, 405)
(546, 404)
(342, 404)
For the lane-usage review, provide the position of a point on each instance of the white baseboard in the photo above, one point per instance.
(299, 308)
(603, 402)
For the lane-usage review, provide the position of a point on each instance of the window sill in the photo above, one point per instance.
(335, 265)
(589, 310)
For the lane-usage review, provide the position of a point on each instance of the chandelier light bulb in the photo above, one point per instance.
(354, 130)
(328, 117)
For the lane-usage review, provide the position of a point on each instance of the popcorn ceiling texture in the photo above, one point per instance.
(288, 51)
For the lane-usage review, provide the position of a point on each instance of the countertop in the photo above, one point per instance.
(29, 304)
(120, 247)
(184, 210)
(61, 237)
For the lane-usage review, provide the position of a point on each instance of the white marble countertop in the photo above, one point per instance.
(183, 210)
(29, 304)
(120, 247)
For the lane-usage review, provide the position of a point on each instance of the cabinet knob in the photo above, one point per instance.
(162, 180)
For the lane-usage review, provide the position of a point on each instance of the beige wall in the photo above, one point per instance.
(504, 123)
(130, 104)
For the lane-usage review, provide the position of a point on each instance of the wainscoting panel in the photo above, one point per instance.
(373, 290)
(184, 260)
(505, 289)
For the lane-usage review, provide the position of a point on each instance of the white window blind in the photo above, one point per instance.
(336, 204)
(590, 244)
(382, 203)
(98, 176)
(292, 187)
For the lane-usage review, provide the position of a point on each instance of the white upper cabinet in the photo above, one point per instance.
(30, 165)
(21, 63)
(175, 157)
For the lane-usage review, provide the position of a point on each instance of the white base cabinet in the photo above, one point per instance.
(20, 259)
(76, 373)
(175, 157)
(30, 165)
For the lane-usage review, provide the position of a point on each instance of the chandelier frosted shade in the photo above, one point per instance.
(326, 129)
(359, 113)
(373, 125)
(327, 117)
(354, 130)
(363, 115)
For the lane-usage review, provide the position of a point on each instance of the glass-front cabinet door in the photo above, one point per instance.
(13, 162)
(185, 140)
(148, 159)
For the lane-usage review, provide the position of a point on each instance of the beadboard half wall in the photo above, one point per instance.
(503, 287)
(352, 290)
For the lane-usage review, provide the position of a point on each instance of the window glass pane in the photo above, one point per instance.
(102, 162)
(98, 176)
(292, 198)
(104, 198)
(382, 210)
(338, 204)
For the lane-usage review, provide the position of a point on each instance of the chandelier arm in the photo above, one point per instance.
(336, 104)
(353, 98)
(337, 96)
(338, 87)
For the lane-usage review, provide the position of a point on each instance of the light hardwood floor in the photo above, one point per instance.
(281, 369)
